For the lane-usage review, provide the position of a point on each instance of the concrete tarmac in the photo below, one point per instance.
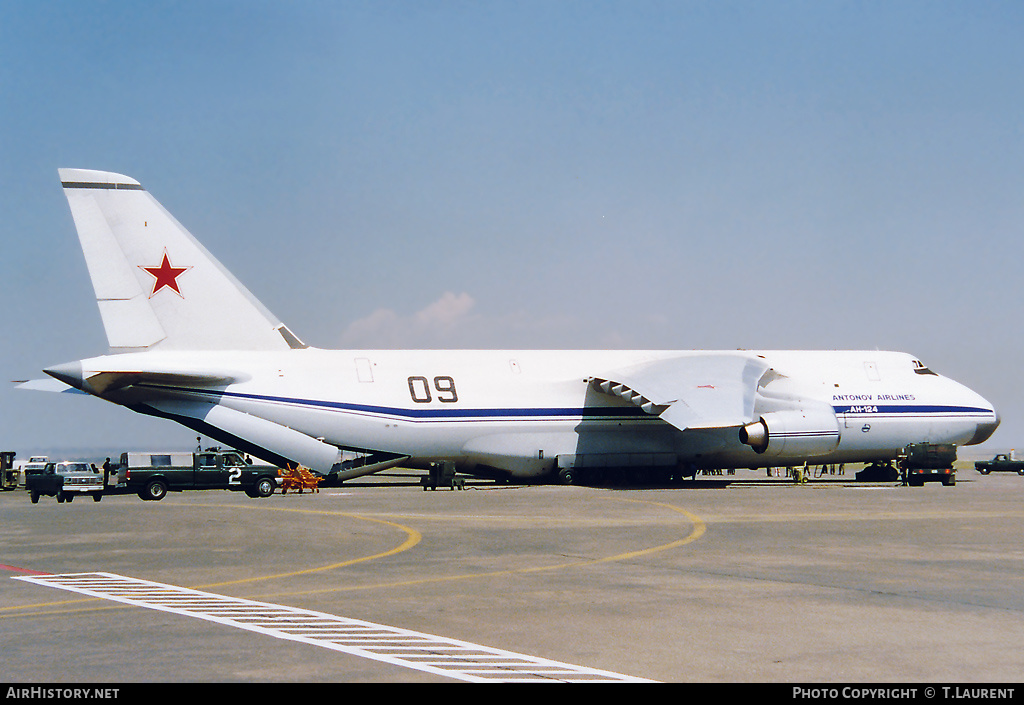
(729, 579)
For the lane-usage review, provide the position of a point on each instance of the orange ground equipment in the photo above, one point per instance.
(299, 478)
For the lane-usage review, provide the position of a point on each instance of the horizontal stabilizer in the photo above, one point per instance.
(100, 382)
(46, 385)
(693, 391)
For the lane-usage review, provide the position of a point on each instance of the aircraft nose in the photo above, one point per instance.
(985, 429)
(986, 426)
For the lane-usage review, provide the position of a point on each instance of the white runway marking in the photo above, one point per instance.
(400, 647)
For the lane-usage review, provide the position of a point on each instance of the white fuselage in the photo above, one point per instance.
(527, 412)
(197, 347)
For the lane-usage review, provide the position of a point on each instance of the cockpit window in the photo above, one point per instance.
(920, 369)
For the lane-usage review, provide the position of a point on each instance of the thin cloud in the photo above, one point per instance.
(428, 327)
(452, 322)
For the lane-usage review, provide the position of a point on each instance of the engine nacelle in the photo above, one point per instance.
(799, 433)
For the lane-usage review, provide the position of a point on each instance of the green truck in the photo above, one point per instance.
(927, 462)
(152, 475)
(1004, 462)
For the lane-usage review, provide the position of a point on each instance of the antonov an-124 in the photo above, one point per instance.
(188, 342)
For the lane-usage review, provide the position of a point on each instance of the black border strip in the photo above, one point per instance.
(103, 185)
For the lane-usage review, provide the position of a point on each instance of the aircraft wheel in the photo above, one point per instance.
(96, 497)
(35, 497)
(566, 476)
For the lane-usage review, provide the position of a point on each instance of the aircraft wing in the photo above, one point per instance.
(698, 391)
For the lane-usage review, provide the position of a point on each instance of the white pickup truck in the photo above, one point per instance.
(65, 480)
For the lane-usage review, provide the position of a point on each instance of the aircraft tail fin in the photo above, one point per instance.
(156, 285)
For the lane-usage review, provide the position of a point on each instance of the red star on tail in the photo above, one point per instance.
(166, 276)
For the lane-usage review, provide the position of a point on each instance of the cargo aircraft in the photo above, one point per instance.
(188, 342)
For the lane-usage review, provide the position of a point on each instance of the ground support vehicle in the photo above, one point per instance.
(65, 481)
(153, 475)
(1004, 462)
(34, 463)
(299, 478)
(927, 462)
(442, 474)
(8, 473)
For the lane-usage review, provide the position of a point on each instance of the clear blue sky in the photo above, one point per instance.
(530, 175)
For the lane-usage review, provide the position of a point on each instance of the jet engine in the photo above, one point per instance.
(798, 432)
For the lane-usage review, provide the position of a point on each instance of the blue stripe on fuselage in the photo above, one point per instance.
(908, 410)
(431, 413)
(601, 412)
